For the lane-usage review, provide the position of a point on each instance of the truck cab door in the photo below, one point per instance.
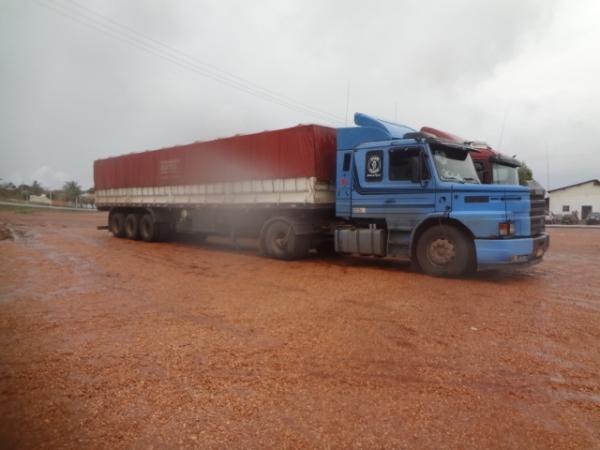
(394, 185)
(411, 196)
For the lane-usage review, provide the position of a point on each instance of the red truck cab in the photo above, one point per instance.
(492, 166)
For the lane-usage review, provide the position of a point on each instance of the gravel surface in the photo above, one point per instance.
(109, 343)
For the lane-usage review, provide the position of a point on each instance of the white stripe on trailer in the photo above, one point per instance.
(302, 190)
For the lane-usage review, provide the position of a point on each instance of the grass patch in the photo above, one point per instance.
(24, 209)
(20, 209)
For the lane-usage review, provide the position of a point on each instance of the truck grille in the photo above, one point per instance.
(537, 212)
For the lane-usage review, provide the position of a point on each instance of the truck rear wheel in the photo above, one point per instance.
(445, 251)
(282, 242)
(132, 226)
(116, 224)
(149, 230)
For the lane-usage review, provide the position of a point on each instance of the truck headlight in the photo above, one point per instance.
(506, 229)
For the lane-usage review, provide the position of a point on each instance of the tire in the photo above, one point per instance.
(445, 251)
(148, 229)
(132, 226)
(116, 224)
(281, 242)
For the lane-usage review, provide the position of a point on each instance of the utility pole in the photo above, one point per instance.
(347, 102)
(503, 126)
(547, 169)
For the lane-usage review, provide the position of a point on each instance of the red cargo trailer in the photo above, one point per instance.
(302, 151)
(274, 185)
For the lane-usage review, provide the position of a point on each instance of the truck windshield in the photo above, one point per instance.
(504, 174)
(454, 164)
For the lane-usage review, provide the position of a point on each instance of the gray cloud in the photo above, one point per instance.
(72, 94)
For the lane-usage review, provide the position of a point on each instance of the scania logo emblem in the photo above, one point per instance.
(374, 164)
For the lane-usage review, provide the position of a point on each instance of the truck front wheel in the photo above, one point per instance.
(282, 242)
(116, 224)
(445, 251)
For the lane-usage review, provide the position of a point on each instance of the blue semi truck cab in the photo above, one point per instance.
(405, 194)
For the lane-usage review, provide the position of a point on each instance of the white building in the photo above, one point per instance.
(40, 199)
(582, 198)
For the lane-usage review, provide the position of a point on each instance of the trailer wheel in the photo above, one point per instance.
(445, 251)
(116, 224)
(148, 229)
(132, 226)
(282, 242)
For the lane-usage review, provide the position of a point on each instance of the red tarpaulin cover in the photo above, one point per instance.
(302, 151)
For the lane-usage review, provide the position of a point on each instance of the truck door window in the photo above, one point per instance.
(402, 163)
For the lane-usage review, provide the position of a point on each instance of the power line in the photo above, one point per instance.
(205, 65)
(175, 60)
(164, 51)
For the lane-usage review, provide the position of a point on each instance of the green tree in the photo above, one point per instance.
(9, 186)
(525, 174)
(7, 189)
(36, 188)
(72, 190)
(57, 194)
(24, 191)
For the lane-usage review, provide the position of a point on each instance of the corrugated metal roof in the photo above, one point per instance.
(595, 181)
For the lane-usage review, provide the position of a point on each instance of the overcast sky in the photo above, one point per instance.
(81, 83)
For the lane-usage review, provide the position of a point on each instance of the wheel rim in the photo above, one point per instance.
(117, 225)
(280, 240)
(145, 228)
(441, 251)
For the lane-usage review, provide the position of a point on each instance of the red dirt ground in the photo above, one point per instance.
(112, 343)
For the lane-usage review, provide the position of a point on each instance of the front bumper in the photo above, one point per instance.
(492, 252)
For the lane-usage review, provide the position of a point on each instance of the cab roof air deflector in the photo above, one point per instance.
(370, 129)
